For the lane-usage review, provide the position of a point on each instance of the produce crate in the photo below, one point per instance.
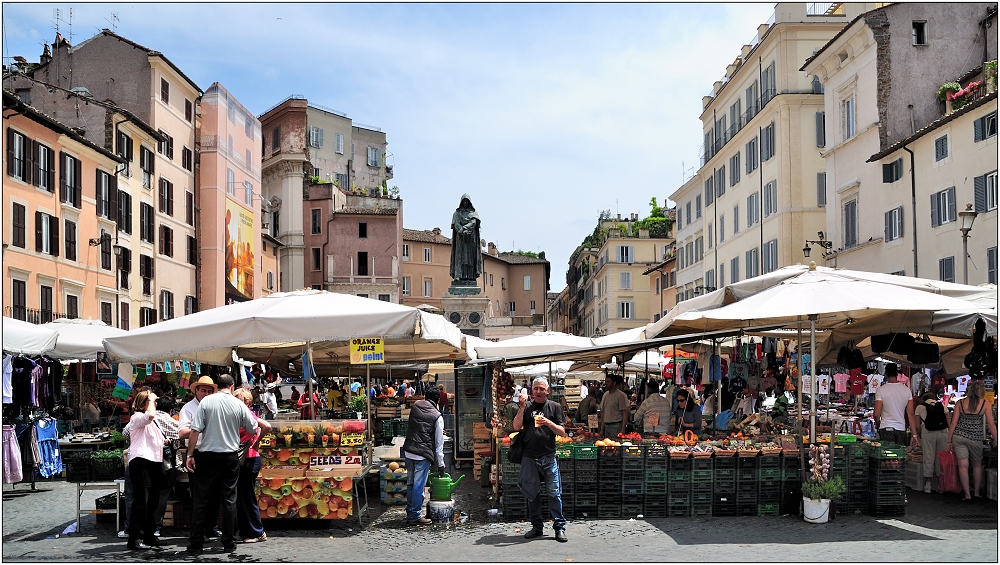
(585, 452)
(608, 511)
(702, 498)
(702, 486)
(633, 488)
(887, 498)
(655, 450)
(768, 485)
(724, 509)
(609, 452)
(701, 475)
(388, 428)
(632, 510)
(678, 511)
(677, 499)
(107, 469)
(77, 470)
(633, 499)
(747, 463)
(655, 511)
(858, 449)
(632, 464)
(392, 486)
(564, 451)
(725, 474)
(746, 509)
(680, 464)
(656, 476)
(586, 470)
(701, 511)
(609, 475)
(769, 460)
(724, 463)
(897, 465)
(767, 509)
(609, 497)
(724, 487)
(793, 475)
(679, 477)
(585, 499)
(107, 502)
(746, 475)
(768, 474)
(887, 451)
(859, 485)
(656, 488)
(702, 464)
(389, 499)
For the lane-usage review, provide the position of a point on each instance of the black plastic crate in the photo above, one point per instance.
(701, 511)
(585, 470)
(631, 464)
(609, 453)
(77, 470)
(567, 488)
(609, 498)
(857, 485)
(632, 510)
(609, 511)
(679, 477)
(746, 475)
(702, 463)
(700, 475)
(887, 498)
(724, 463)
(887, 511)
(747, 463)
(566, 464)
(655, 450)
(107, 469)
(746, 498)
(768, 485)
(677, 499)
(728, 474)
(656, 488)
(765, 474)
(883, 465)
(583, 513)
(678, 488)
(678, 511)
(702, 498)
(724, 487)
(608, 476)
(702, 486)
(654, 511)
(633, 487)
(655, 476)
(746, 509)
(585, 499)
(767, 508)
(724, 509)
(633, 499)
(662, 463)
(769, 461)
(680, 464)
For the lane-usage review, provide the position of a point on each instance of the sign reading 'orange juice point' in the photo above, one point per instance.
(367, 350)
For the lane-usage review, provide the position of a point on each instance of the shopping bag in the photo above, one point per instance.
(722, 420)
(948, 481)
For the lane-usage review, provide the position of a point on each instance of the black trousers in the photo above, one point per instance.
(145, 476)
(217, 476)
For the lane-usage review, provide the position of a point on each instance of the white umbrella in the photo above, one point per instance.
(80, 339)
(624, 336)
(538, 342)
(22, 338)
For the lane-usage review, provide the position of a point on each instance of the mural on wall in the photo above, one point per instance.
(239, 252)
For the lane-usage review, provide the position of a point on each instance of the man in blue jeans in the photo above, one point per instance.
(424, 444)
(541, 420)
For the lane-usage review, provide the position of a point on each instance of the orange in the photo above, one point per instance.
(342, 513)
(347, 484)
(272, 512)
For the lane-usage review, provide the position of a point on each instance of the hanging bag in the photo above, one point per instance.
(948, 480)
(516, 450)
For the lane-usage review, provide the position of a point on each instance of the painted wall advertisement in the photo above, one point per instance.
(239, 252)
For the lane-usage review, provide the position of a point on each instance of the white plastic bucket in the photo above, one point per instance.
(816, 511)
(441, 511)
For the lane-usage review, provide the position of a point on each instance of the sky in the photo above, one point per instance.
(545, 114)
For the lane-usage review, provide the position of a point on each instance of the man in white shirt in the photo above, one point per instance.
(270, 402)
(893, 408)
(583, 390)
(201, 388)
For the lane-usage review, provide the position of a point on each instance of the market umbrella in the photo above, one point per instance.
(538, 342)
(22, 338)
(80, 339)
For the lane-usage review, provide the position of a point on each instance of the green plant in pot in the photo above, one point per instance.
(819, 488)
(358, 403)
(947, 88)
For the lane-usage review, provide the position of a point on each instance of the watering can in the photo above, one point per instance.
(442, 487)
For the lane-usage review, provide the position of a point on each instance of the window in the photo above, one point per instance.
(192, 250)
(270, 280)
(20, 222)
(17, 156)
(946, 269)
(735, 116)
(276, 139)
(406, 286)
(166, 241)
(734, 270)
(189, 207)
(45, 301)
(248, 193)
(106, 194)
(188, 110)
(920, 33)
(384, 298)
(767, 142)
(124, 267)
(820, 129)
(850, 223)
(315, 137)
(711, 236)
(166, 200)
(146, 164)
(687, 211)
(105, 250)
(362, 230)
(768, 84)
(985, 127)
(166, 147)
(752, 258)
(340, 143)
(709, 192)
(847, 117)
(527, 282)
(752, 98)
(720, 181)
(230, 182)
(734, 170)
(625, 280)
(985, 192)
(752, 156)
(991, 265)
(231, 147)
(190, 305)
(105, 311)
(124, 218)
(342, 180)
(275, 217)
(894, 224)
(722, 229)
(512, 308)
(164, 91)
(753, 209)
(374, 157)
(123, 311)
(697, 206)
(123, 148)
(249, 159)
(187, 159)
(315, 258)
(45, 168)
(626, 254)
(699, 249)
(821, 189)
(69, 180)
(147, 316)
(427, 255)
(146, 222)
(626, 310)
(736, 219)
(770, 256)
(46, 234)
(941, 148)
(146, 273)
(892, 172)
(166, 305)
(710, 279)
(770, 198)
(503, 283)
(943, 207)
(70, 236)
(363, 263)
(19, 299)
(406, 252)
(427, 288)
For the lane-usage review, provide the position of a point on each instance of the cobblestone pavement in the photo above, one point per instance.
(936, 528)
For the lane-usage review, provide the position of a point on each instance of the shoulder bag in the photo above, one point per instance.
(516, 451)
(169, 462)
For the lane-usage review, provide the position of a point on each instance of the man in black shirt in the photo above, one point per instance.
(541, 420)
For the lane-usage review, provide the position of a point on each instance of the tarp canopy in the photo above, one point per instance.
(22, 338)
(275, 329)
(538, 342)
(80, 339)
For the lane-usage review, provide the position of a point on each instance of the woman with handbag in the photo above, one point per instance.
(251, 528)
(966, 435)
(144, 468)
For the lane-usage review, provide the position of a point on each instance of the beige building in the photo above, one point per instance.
(662, 285)
(901, 164)
(758, 194)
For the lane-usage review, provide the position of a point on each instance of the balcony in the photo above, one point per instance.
(33, 315)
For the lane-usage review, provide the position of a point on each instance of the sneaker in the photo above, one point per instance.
(927, 487)
(156, 533)
(533, 533)
(138, 546)
(123, 534)
(263, 537)
(420, 522)
(561, 536)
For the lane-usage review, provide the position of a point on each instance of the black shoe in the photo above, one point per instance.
(213, 535)
(561, 536)
(194, 550)
(138, 546)
(230, 549)
(154, 543)
(533, 533)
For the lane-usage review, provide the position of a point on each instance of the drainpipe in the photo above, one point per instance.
(913, 203)
(197, 207)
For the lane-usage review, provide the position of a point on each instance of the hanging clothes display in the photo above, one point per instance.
(8, 371)
(11, 457)
(46, 436)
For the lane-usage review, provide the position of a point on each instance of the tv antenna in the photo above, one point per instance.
(114, 21)
(69, 22)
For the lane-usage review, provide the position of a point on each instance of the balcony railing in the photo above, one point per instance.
(709, 150)
(33, 315)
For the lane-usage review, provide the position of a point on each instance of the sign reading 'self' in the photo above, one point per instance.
(367, 350)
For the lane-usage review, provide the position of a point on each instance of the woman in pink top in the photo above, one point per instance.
(251, 529)
(145, 455)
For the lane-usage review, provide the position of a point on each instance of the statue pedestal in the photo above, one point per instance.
(466, 312)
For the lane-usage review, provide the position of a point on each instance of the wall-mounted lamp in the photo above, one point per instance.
(95, 241)
(822, 242)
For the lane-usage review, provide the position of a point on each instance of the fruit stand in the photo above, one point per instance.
(312, 469)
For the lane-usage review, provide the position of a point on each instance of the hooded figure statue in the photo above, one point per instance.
(466, 254)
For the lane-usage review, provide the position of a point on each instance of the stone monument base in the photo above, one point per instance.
(466, 312)
(463, 288)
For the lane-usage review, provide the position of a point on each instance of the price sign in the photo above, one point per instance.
(333, 460)
(592, 421)
(652, 419)
(352, 439)
(267, 441)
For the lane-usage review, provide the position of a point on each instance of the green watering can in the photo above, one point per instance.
(442, 487)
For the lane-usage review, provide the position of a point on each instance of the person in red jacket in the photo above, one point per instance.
(443, 401)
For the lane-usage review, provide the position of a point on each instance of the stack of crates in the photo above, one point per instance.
(746, 486)
(392, 483)
(724, 493)
(855, 499)
(567, 479)
(679, 487)
(887, 480)
(791, 483)
(702, 483)
(769, 484)
(585, 495)
(656, 481)
(633, 480)
(515, 507)
(609, 487)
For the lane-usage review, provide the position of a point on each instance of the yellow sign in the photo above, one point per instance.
(366, 350)
(352, 439)
(267, 441)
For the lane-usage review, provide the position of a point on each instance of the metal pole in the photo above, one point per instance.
(309, 379)
(798, 403)
(812, 377)
(965, 256)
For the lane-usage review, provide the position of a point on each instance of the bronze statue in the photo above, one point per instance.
(466, 254)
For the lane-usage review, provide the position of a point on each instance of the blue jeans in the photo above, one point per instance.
(548, 474)
(416, 477)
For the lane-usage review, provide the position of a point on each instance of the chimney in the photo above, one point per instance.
(491, 250)
(436, 231)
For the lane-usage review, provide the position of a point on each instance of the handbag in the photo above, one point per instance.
(242, 451)
(516, 451)
(169, 462)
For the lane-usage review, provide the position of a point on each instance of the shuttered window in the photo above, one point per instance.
(821, 189)
(943, 207)
(941, 148)
(820, 129)
(985, 192)
(946, 269)
(894, 224)
(850, 223)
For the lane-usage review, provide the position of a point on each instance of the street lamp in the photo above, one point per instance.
(967, 216)
(822, 242)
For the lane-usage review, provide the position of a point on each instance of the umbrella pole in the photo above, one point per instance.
(309, 379)
(718, 384)
(812, 378)
(368, 381)
(798, 403)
